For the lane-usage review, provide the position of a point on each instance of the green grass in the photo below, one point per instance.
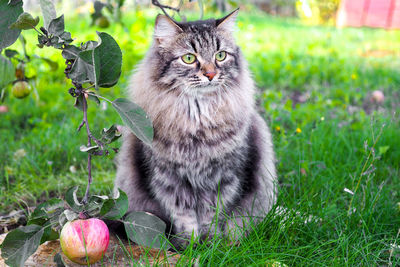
(340, 145)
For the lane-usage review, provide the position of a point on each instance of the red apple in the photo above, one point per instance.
(85, 239)
(3, 109)
(377, 96)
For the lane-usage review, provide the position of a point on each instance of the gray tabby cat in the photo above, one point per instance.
(211, 150)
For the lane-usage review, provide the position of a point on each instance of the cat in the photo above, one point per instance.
(212, 153)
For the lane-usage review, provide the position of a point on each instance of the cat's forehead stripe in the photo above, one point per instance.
(193, 44)
(205, 41)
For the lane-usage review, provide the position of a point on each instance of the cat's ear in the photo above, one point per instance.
(228, 23)
(165, 29)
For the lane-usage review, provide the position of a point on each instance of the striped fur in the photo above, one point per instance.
(211, 150)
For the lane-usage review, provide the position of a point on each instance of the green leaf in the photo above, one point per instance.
(145, 229)
(56, 26)
(48, 11)
(115, 208)
(94, 205)
(7, 72)
(107, 58)
(78, 101)
(46, 210)
(10, 53)
(25, 21)
(72, 199)
(135, 118)
(110, 135)
(81, 72)
(94, 99)
(9, 13)
(383, 149)
(66, 37)
(49, 233)
(62, 219)
(89, 45)
(21, 243)
(71, 215)
(70, 52)
(84, 148)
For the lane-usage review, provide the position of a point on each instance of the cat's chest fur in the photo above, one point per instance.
(197, 151)
(200, 130)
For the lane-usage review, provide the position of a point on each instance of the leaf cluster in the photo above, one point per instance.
(47, 220)
(113, 7)
(93, 63)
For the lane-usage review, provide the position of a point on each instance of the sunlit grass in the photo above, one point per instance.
(322, 142)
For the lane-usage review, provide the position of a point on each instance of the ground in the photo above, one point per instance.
(338, 150)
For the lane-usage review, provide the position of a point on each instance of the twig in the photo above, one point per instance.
(163, 7)
(80, 126)
(89, 134)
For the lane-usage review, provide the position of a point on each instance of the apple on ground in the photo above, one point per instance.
(85, 241)
(377, 96)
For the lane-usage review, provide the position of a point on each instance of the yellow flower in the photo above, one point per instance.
(298, 130)
(354, 76)
(278, 128)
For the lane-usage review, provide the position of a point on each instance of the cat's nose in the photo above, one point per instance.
(210, 75)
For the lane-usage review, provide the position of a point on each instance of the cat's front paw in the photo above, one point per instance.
(181, 241)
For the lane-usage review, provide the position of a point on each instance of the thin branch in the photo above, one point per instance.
(163, 7)
(89, 134)
(80, 126)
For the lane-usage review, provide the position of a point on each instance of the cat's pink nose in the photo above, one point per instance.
(210, 75)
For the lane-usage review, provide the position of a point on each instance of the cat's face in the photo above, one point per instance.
(197, 57)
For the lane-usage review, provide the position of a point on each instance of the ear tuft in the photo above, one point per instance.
(228, 23)
(165, 29)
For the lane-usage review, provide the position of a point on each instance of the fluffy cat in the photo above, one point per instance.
(211, 150)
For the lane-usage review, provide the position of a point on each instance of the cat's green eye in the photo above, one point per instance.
(189, 58)
(220, 55)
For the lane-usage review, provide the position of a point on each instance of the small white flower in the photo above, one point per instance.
(348, 191)
(72, 169)
(19, 154)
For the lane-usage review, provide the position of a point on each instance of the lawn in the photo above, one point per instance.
(338, 153)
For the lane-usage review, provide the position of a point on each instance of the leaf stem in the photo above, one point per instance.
(99, 96)
(37, 30)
